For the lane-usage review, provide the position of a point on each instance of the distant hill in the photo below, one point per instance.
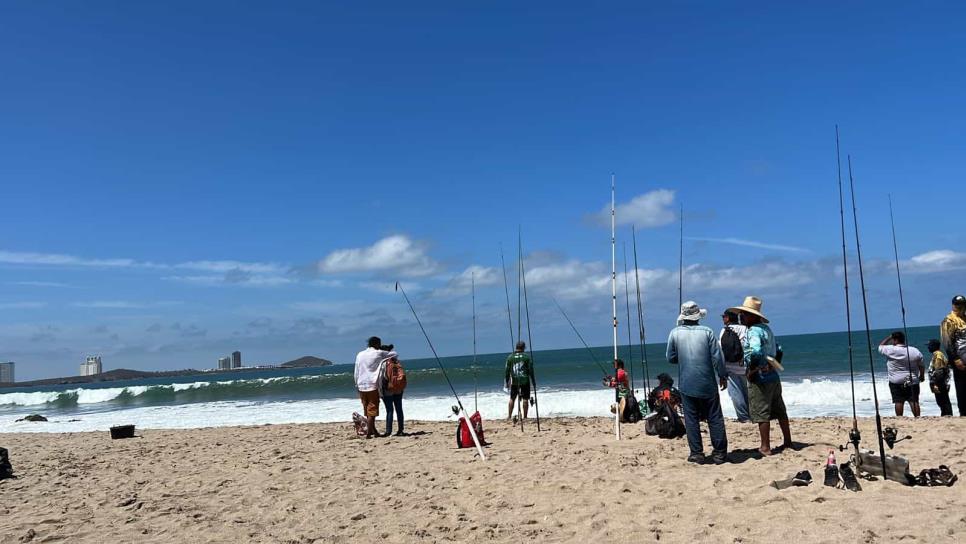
(109, 376)
(306, 362)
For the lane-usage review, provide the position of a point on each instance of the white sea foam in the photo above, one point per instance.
(805, 398)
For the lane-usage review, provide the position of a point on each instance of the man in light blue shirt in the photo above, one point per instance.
(696, 349)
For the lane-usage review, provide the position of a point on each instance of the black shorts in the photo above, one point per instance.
(901, 393)
(523, 391)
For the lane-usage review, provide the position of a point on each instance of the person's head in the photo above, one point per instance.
(390, 347)
(691, 313)
(898, 338)
(729, 317)
(959, 304)
(750, 311)
(521, 345)
(375, 342)
(618, 363)
(665, 379)
(933, 345)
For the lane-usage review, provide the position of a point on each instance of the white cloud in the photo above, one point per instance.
(398, 253)
(940, 260)
(240, 279)
(750, 243)
(40, 284)
(56, 259)
(231, 266)
(651, 209)
(462, 283)
(22, 305)
(124, 304)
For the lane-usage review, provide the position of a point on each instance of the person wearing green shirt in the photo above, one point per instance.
(518, 375)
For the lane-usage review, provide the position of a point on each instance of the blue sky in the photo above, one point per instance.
(182, 180)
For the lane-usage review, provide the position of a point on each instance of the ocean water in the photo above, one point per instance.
(815, 383)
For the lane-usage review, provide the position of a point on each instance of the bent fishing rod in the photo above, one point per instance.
(459, 403)
(868, 329)
(581, 338)
(526, 306)
(902, 302)
(854, 436)
(640, 318)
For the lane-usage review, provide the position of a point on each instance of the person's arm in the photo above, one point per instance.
(672, 349)
(533, 379)
(922, 369)
(717, 360)
(506, 373)
(753, 351)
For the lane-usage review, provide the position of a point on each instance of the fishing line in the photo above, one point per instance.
(506, 290)
(627, 305)
(854, 435)
(476, 387)
(581, 338)
(868, 331)
(902, 303)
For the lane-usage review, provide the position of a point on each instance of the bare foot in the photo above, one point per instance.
(765, 451)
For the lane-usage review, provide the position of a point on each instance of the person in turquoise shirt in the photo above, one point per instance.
(765, 401)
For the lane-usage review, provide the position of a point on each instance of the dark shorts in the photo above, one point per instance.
(370, 403)
(765, 402)
(902, 394)
(523, 391)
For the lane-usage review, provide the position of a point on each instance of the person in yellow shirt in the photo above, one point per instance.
(939, 377)
(953, 335)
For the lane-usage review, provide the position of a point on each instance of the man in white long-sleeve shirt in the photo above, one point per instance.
(367, 381)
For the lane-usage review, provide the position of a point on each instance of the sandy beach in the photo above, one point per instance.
(571, 482)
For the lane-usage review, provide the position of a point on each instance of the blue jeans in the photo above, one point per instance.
(393, 401)
(738, 391)
(696, 409)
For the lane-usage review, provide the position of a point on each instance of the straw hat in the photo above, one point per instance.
(751, 305)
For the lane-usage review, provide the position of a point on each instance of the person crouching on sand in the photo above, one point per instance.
(765, 401)
(695, 347)
(367, 380)
(518, 376)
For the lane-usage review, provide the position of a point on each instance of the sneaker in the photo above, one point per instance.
(719, 458)
(697, 458)
(848, 477)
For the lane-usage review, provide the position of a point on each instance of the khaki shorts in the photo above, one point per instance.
(765, 402)
(370, 403)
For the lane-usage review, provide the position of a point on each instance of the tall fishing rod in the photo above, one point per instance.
(526, 305)
(613, 285)
(627, 306)
(868, 329)
(681, 259)
(519, 291)
(581, 338)
(640, 319)
(902, 302)
(476, 387)
(506, 290)
(462, 412)
(854, 435)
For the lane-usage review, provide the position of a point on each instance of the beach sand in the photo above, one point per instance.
(571, 482)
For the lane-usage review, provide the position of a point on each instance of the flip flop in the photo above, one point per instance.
(801, 479)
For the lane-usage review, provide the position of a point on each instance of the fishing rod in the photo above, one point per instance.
(613, 285)
(526, 305)
(902, 303)
(476, 387)
(868, 330)
(459, 403)
(627, 305)
(581, 338)
(854, 435)
(519, 313)
(506, 290)
(640, 318)
(681, 260)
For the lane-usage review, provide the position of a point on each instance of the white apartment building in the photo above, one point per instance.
(92, 366)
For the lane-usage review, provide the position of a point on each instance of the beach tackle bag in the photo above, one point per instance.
(463, 437)
(731, 346)
(6, 470)
(395, 377)
(664, 423)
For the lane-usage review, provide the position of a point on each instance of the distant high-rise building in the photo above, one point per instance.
(236, 359)
(224, 363)
(92, 366)
(6, 372)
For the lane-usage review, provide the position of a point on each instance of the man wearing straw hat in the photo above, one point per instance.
(765, 401)
(696, 349)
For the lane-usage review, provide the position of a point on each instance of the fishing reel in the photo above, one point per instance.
(533, 401)
(456, 410)
(890, 435)
(854, 438)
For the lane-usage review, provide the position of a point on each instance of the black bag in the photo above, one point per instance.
(632, 409)
(731, 347)
(6, 470)
(664, 423)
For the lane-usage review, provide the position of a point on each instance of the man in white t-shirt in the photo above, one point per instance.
(732, 348)
(906, 371)
(367, 381)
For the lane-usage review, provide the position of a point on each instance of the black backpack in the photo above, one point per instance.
(6, 471)
(731, 347)
(632, 409)
(664, 423)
